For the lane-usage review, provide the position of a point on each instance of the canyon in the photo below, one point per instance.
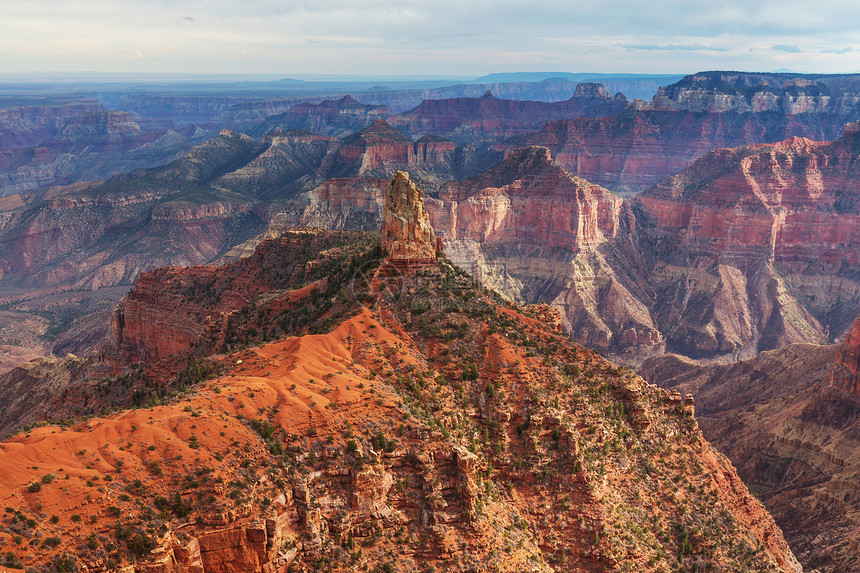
(747, 250)
(718, 260)
(58, 143)
(86, 243)
(716, 223)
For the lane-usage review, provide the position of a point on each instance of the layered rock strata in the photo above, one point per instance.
(488, 118)
(540, 234)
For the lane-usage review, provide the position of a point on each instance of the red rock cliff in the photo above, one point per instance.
(528, 198)
(492, 118)
(793, 200)
(845, 373)
(541, 234)
(380, 146)
(630, 152)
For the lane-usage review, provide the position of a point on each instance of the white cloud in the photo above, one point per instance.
(431, 37)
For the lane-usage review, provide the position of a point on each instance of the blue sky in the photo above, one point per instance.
(432, 37)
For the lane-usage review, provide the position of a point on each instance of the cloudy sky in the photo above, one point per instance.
(431, 37)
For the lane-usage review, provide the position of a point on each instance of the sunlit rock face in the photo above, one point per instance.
(406, 231)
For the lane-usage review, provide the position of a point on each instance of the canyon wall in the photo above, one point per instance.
(488, 118)
(845, 374)
(753, 246)
(636, 149)
(792, 435)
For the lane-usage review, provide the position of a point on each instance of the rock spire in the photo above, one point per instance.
(407, 236)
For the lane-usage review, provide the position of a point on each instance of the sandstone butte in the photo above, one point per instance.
(370, 422)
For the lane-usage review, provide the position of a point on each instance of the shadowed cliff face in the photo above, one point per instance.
(790, 428)
(421, 423)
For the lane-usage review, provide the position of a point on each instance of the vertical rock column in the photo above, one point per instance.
(407, 236)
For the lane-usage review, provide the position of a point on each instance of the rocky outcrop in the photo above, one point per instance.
(377, 145)
(784, 93)
(407, 236)
(148, 324)
(845, 373)
(380, 146)
(170, 309)
(489, 118)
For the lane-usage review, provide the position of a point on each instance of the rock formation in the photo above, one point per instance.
(488, 118)
(629, 152)
(338, 118)
(845, 374)
(101, 236)
(534, 231)
(834, 98)
(381, 147)
(407, 236)
(748, 249)
(776, 218)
